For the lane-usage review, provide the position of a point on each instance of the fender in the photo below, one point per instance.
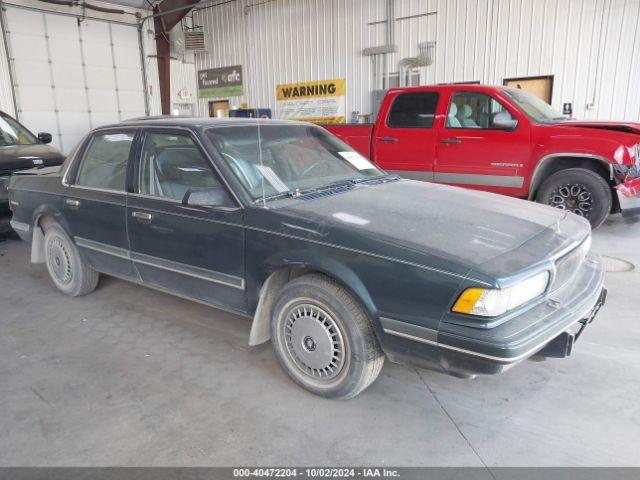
(37, 236)
(535, 181)
(300, 262)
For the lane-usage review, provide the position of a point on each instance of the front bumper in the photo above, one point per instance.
(548, 329)
(629, 196)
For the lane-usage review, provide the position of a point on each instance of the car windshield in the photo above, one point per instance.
(12, 133)
(534, 107)
(273, 160)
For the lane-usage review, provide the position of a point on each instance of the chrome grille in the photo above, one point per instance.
(568, 265)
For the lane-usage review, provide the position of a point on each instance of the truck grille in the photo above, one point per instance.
(568, 265)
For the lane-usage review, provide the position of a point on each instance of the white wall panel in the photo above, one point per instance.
(591, 47)
(73, 76)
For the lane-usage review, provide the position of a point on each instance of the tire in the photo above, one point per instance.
(324, 339)
(580, 191)
(67, 269)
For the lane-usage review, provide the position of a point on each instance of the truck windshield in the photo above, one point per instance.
(272, 160)
(534, 107)
(12, 133)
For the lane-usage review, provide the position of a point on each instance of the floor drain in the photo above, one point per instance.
(612, 264)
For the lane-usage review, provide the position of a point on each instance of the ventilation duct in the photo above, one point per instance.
(424, 59)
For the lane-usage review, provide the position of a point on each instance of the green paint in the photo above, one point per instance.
(230, 91)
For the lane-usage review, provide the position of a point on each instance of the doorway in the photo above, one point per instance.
(219, 108)
(542, 87)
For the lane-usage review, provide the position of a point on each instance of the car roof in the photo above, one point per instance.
(197, 122)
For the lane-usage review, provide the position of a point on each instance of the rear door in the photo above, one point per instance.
(405, 141)
(196, 252)
(478, 149)
(95, 201)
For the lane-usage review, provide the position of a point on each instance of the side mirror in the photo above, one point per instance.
(504, 121)
(207, 197)
(44, 137)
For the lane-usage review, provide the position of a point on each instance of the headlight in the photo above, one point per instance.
(494, 302)
(638, 154)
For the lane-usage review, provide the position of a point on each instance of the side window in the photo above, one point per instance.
(413, 110)
(171, 164)
(104, 164)
(477, 111)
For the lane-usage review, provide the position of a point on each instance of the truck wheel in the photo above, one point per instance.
(580, 191)
(69, 272)
(324, 339)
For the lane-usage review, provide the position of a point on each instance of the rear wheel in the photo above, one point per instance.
(67, 269)
(324, 339)
(580, 191)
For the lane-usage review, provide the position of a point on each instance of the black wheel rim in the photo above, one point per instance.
(573, 197)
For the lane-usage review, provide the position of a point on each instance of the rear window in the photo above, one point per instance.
(413, 110)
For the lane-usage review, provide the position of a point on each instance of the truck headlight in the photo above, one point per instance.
(488, 302)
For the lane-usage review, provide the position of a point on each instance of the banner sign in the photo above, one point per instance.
(318, 102)
(220, 82)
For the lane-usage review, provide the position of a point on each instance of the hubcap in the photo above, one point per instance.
(575, 198)
(314, 341)
(59, 260)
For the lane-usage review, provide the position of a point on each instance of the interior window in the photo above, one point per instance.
(171, 164)
(105, 162)
(411, 110)
(475, 110)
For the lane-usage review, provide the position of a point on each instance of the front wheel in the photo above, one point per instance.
(324, 339)
(580, 191)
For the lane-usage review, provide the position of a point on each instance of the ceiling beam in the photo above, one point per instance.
(167, 14)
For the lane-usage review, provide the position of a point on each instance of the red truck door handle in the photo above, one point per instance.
(451, 141)
(388, 139)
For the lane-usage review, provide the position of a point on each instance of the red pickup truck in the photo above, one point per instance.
(506, 141)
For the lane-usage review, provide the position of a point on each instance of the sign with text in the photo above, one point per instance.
(323, 101)
(220, 82)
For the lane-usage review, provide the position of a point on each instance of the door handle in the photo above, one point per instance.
(72, 204)
(451, 141)
(388, 139)
(142, 216)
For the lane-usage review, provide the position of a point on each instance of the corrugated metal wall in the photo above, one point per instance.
(591, 47)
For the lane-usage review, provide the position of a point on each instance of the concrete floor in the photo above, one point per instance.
(130, 376)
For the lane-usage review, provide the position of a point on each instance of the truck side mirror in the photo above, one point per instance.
(207, 197)
(44, 137)
(504, 121)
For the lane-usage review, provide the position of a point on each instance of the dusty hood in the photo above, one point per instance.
(427, 224)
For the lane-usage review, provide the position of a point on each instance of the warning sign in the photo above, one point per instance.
(318, 102)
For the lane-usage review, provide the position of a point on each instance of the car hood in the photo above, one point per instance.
(20, 157)
(436, 226)
(622, 127)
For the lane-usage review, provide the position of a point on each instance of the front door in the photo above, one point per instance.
(219, 109)
(405, 142)
(197, 252)
(483, 145)
(95, 202)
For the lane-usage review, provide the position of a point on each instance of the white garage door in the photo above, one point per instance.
(73, 76)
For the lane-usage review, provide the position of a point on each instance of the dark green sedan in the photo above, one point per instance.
(338, 263)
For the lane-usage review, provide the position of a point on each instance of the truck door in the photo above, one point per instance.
(483, 145)
(405, 141)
